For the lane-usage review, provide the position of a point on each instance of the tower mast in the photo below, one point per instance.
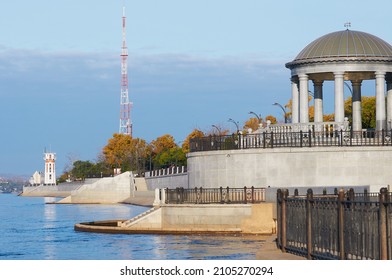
(125, 104)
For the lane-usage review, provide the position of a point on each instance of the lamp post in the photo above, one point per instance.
(349, 88)
(284, 111)
(236, 124)
(217, 128)
(257, 116)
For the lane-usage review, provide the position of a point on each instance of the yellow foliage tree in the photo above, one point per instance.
(252, 123)
(123, 151)
(163, 143)
(271, 118)
(195, 133)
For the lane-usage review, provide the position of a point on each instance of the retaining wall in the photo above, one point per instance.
(167, 181)
(292, 167)
(246, 218)
(106, 190)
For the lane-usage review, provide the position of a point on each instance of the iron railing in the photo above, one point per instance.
(215, 195)
(292, 139)
(338, 226)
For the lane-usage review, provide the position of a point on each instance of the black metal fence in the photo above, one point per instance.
(344, 225)
(292, 139)
(215, 195)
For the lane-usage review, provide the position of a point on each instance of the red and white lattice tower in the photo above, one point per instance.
(125, 105)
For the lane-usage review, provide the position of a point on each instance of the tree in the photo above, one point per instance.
(368, 111)
(252, 123)
(194, 134)
(160, 149)
(271, 118)
(125, 152)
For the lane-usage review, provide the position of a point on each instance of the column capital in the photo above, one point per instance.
(338, 73)
(356, 83)
(379, 74)
(303, 77)
(318, 82)
(294, 79)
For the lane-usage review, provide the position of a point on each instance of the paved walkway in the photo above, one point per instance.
(269, 251)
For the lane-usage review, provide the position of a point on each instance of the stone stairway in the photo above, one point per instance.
(135, 219)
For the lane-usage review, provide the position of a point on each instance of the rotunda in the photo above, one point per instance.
(343, 56)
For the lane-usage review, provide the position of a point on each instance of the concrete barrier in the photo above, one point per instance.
(190, 219)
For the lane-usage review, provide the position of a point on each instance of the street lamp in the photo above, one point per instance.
(284, 111)
(236, 124)
(348, 86)
(257, 116)
(217, 128)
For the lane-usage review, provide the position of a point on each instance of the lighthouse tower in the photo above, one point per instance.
(50, 168)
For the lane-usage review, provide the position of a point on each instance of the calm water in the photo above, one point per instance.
(31, 229)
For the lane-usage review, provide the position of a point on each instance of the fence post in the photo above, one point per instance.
(227, 195)
(383, 224)
(221, 194)
(341, 224)
(310, 138)
(341, 138)
(382, 135)
(245, 195)
(300, 138)
(283, 220)
(309, 202)
(253, 195)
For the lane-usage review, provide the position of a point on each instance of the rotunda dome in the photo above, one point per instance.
(342, 46)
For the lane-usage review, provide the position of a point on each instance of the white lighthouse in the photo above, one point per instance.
(50, 168)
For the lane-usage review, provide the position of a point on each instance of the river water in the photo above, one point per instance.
(32, 228)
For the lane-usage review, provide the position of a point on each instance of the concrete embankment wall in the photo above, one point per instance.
(106, 190)
(61, 190)
(292, 167)
(244, 218)
(167, 181)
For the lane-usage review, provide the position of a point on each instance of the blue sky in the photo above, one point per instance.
(192, 64)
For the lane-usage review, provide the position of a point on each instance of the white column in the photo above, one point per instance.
(303, 99)
(318, 101)
(389, 104)
(339, 96)
(294, 101)
(356, 105)
(380, 101)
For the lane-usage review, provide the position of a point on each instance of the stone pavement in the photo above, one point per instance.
(269, 251)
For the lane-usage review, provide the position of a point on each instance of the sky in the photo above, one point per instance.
(192, 64)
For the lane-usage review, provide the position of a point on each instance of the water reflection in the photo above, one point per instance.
(49, 227)
(33, 229)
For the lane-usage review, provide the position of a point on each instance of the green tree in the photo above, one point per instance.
(161, 150)
(82, 169)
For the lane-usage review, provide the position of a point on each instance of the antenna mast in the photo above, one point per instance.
(125, 105)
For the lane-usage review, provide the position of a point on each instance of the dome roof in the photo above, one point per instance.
(344, 45)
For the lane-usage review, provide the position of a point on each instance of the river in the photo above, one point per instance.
(32, 228)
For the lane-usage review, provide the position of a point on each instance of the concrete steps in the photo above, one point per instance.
(137, 218)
